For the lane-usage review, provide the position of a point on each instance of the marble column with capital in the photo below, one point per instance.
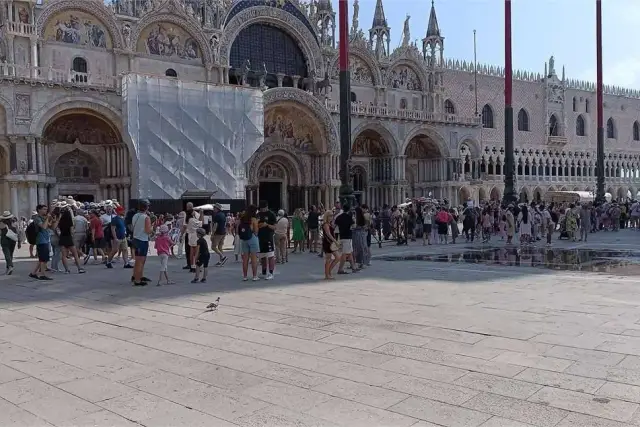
(42, 194)
(33, 195)
(14, 198)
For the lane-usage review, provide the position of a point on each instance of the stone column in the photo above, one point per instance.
(14, 198)
(114, 162)
(42, 194)
(306, 198)
(107, 161)
(34, 57)
(280, 77)
(31, 146)
(33, 195)
(126, 197)
(40, 156)
(12, 59)
(319, 197)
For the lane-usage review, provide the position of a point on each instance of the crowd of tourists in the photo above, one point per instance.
(67, 235)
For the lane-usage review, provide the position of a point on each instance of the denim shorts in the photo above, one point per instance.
(141, 247)
(44, 251)
(250, 246)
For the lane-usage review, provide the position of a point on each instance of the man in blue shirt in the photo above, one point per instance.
(43, 241)
(118, 238)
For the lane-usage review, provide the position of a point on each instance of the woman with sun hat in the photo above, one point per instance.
(9, 238)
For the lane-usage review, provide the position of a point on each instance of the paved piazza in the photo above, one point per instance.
(401, 344)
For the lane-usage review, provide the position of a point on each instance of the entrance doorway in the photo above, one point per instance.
(84, 198)
(272, 193)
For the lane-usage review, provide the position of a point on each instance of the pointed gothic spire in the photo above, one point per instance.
(379, 20)
(433, 30)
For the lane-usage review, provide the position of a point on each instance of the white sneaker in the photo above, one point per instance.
(244, 279)
(255, 278)
(269, 276)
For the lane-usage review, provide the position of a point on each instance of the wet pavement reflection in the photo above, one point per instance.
(617, 262)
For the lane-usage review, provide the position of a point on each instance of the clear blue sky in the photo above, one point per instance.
(541, 28)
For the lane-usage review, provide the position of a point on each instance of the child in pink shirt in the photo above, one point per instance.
(163, 247)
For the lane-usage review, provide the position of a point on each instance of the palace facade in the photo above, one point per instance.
(422, 125)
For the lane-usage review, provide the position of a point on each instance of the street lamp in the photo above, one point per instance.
(346, 192)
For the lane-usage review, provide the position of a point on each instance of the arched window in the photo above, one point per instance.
(580, 126)
(354, 98)
(171, 73)
(523, 120)
(611, 128)
(586, 106)
(266, 47)
(403, 104)
(487, 117)
(449, 108)
(636, 131)
(575, 104)
(553, 125)
(79, 70)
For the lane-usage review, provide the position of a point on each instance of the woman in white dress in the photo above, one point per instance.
(525, 220)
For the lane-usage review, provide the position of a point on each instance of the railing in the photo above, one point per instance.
(557, 140)
(400, 114)
(51, 75)
(20, 29)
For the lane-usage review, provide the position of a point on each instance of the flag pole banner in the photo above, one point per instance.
(191, 135)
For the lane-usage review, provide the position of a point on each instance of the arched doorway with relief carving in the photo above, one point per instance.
(86, 155)
(426, 167)
(371, 159)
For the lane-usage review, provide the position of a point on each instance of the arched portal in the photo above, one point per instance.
(87, 157)
(430, 170)
(524, 196)
(495, 194)
(371, 149)
(278, 181)
(464, 195)
(482, 195)
(537, 194)
(260, 52)
(294, 132)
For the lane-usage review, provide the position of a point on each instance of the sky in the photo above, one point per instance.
(540, 28)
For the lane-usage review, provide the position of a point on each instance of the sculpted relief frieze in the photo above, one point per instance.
(168, 40)
(403, 77)
(360, 71)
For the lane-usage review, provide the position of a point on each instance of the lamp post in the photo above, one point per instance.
(600, 194)
(346, 192)
(509, 195)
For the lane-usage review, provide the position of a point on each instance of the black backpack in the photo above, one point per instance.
(32, 233)
(244, 231)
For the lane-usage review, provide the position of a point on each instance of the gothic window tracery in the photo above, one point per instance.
(449, 108)
(523, 120)
(487, 117)
(269, 48)
(580, 126)
(77, 166)
(611, 128)
(553, 125)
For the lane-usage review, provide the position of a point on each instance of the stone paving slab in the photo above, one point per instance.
(405, 343)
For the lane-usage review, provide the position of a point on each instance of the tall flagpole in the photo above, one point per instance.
(475, 69)
(600, 192)
(509, 195)
(346, 192)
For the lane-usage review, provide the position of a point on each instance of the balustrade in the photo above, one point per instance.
(58, 76)
(21, 29)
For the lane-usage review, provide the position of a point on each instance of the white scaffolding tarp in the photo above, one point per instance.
(191, 135)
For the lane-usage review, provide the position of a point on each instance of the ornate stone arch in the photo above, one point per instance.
(309, 101)
(93, 162)
(281, 19)
(473, 144)
(299, 163)
(188, 24)
(431, 133)
(365, 56)
(52, 109)
(411, 64)
(8, 109)
(97, 9)
(381, 129)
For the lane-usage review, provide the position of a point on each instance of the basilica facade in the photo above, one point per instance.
(422, 124)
